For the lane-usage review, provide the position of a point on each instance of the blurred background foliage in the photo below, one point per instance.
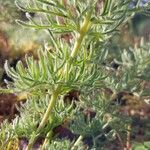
(15, 40)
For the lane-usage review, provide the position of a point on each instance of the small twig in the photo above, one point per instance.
(48, 136)
(120, 140)
(128, 143)
(74, 147)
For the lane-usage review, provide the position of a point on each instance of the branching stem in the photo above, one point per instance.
(83, 30)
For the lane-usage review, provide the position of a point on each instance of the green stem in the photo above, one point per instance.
(83, 30)
(52, 103)
(50, 108)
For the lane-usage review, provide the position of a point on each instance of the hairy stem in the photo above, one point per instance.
(83, 30)
(50, 108)
(52, 103)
